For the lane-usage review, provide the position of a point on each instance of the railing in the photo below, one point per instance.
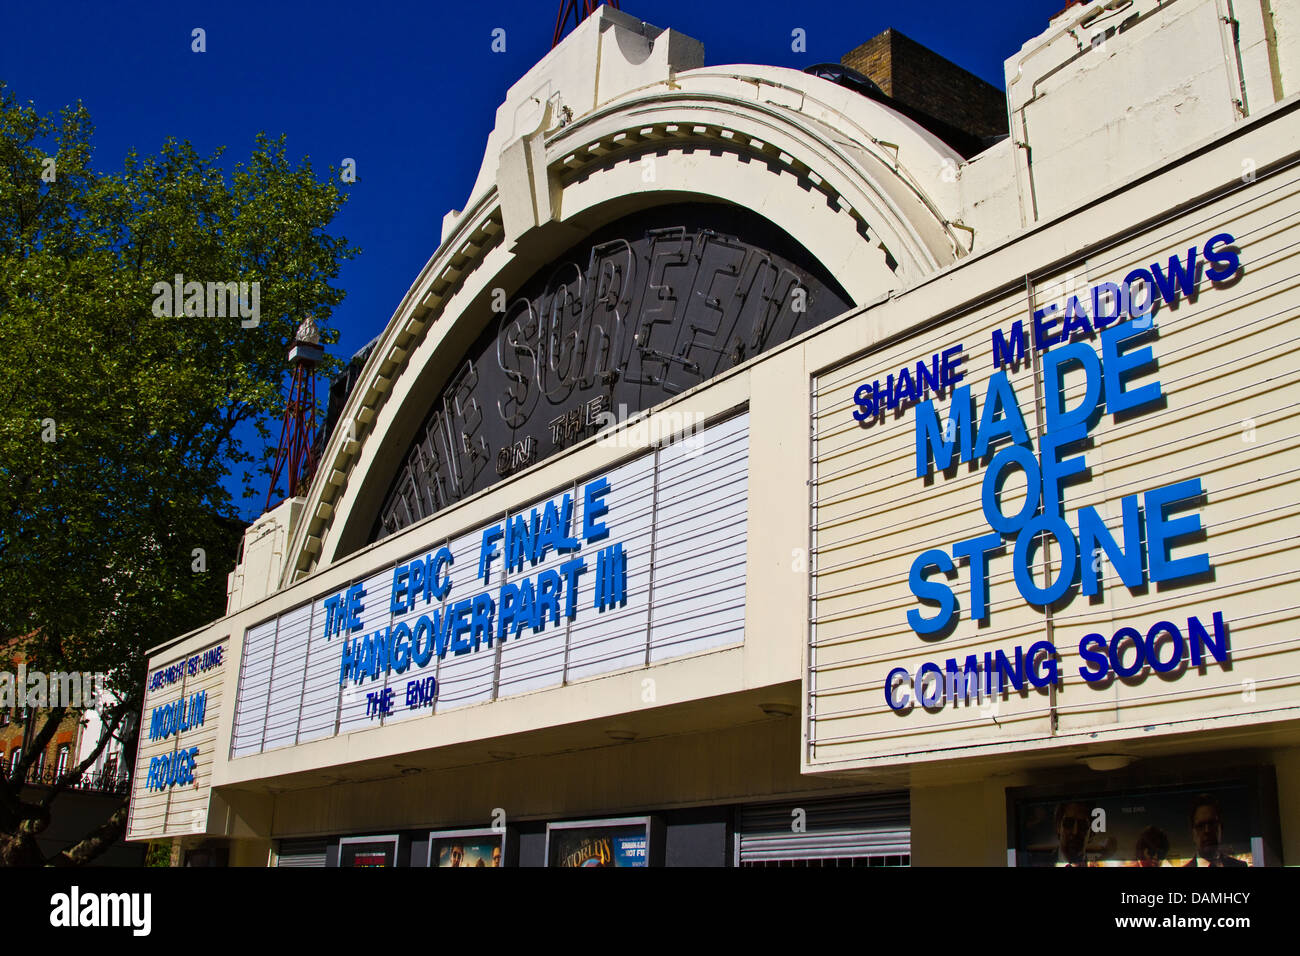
(115, 782)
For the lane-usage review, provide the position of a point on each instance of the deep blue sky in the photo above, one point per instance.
(409, 90)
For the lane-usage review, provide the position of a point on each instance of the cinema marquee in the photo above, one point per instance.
(883, 459)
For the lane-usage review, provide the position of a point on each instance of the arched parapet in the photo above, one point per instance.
(859, 188)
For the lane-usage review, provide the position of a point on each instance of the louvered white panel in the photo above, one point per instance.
(533, 659)
(320, 696)
(182, 808)
(1229, 384)
(398, 682)
(284, 703)
(188, 810)
(254, 683)
(465, 678)
(375, 617)
(679, 514)
(607, 640)
(700, 536)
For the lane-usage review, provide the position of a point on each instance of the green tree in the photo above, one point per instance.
(119, 415)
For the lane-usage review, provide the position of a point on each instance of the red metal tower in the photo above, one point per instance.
(295, 458)
(580, 12)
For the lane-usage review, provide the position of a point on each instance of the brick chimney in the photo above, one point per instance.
(921, 79)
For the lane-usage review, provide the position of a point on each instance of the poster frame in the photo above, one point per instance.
(383, 838)
(652, 825)
(507, 845)
(1258, 780)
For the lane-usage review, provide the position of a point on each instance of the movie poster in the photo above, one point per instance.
(626, 845)
(466, 850)
(370, 854)
(1191, 826)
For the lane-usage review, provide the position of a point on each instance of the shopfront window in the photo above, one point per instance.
(1217, 823)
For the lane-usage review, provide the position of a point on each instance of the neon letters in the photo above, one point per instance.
(531, 602)
(1160, 526)
(178, 716)
(170, 770)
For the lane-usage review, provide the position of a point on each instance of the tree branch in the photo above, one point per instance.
(105, 736)
(97, 841)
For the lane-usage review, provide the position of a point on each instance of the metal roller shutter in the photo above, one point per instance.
(870, 830)
(301, 853)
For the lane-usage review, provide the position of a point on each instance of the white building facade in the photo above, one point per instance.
(751, 478)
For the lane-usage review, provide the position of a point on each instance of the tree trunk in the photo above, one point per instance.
(99, 839)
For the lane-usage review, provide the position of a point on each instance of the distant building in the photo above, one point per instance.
(19, 725)
(89, 796)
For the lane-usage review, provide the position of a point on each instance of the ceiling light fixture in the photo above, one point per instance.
(1104, 762)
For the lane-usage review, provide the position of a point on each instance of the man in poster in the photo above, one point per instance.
(1073, 823)
(1207, 833)
(465, 851)
(1152, 848)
